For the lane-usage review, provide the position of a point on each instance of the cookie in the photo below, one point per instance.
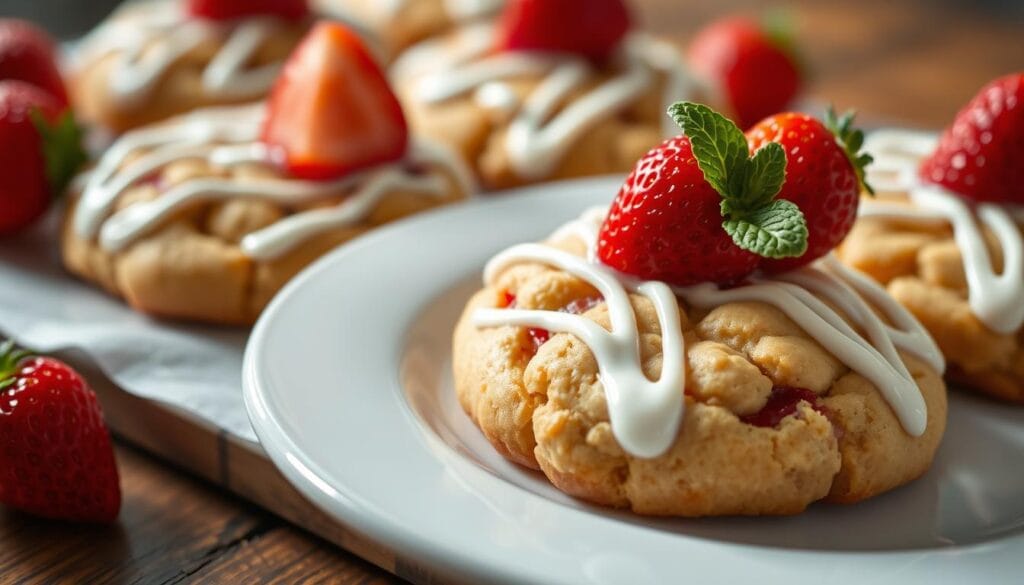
(520, 117)
(191, 218)
(151, 60)
(956, 267)
(397, 24)
(697, 401)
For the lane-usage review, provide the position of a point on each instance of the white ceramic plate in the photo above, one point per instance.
(348, 386)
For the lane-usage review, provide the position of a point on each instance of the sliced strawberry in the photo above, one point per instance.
(698, 208)
(981, 156)
(754, 70)
(232, 9)
(591, 28)
(56, 459)
(332, 111)
(29, 54)
(40, 150)
(824, 177)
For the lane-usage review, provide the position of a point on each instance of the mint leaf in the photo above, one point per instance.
(776, 230)
(62, 148)
(718, 145)
(766, 172)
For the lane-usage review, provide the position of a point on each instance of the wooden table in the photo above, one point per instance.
(913, 62)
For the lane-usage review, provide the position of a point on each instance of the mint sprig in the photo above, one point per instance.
(755, 220)
(852, 140)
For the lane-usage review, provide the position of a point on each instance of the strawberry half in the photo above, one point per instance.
(332, 111)
(29, 54)
(56, 459)
(699, 208)
(40, 150)
(753, 69)
(824, 177)
(591, 28)
(232, 9)
(981, 156)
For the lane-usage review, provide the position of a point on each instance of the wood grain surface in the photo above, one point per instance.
(912, 62)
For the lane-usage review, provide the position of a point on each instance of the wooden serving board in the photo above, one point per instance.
(233, 463)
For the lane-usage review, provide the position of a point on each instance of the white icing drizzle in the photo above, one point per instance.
(645, 415)
(997, 299)
(148, 38)
(547, 122)
(226, 137)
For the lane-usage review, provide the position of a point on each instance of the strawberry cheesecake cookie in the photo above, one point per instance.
(696, 350)
(556, 89)
(398, 24)
(151, 60)
(945, 235)
(207, 215)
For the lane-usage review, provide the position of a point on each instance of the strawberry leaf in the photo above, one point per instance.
(718, 145)
(851, 139)
(62, 148)
(777, 230)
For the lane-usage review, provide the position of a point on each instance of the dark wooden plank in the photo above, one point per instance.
(172, 529)
(284, 556)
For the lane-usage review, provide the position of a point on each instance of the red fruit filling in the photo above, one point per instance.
(540, 336)
(782, 403)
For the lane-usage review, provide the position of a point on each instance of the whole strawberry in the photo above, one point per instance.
(754, 71)
(981, 156)
(699, 208)
(29, 54)
(824, 177)
(56, 460)
(590, 28)
(40, 150)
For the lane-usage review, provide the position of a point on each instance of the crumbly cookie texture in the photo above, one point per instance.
(191, 266)
(922, 268)
(179, 89)
(547, 410)
(480, 133)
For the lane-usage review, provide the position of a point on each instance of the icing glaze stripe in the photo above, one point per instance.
(226, 137)
(645, 415)
(149, 38)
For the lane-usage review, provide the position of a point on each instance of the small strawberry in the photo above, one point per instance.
(699, 208)
(981, 156)
(56, 460)
(29, 54)
(232, 9)
(824, 176)
(754, 70)
(332, 111)
(40, 150)
(591, 28)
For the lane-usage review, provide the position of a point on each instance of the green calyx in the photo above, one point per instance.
(10, 357)
(752, 216)
(62, 149)
(852, 140)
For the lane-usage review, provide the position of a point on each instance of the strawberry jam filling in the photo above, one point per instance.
(782, 403)
(539, 336)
